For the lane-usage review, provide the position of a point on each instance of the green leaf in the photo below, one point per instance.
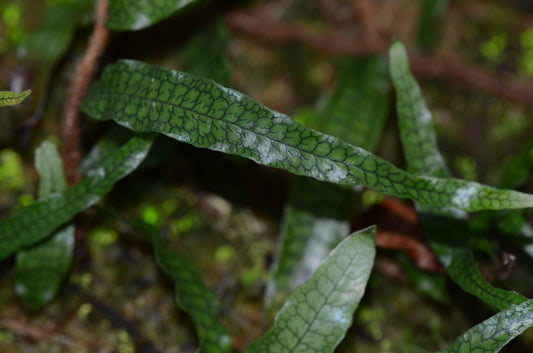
(104, 148)
(35, 222)
(204, 54)
(11, 98)
(318, 313)
(50, 41)
(132, 15)
(433, 11)
(415, 120)
(194, 298)
(494, 333)
(315, 221)
(363, 83)
(41, 268)
(198, 111)
(316, 218)
(447, 229)
(519, 168)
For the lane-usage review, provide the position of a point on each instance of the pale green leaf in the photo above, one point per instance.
(493, 334)
(11, 98)
(315, 221)
(318, 313)
(198, 111)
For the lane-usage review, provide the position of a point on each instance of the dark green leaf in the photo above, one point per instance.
(492, 334)
(194, 298)
(41, 268)
(318, 313)
(432, 14)
(198, 111)
(50, 41)
(204, 54)
(11, 98)
(519, 168)
(363, 83)
(33, 223)
(104, 148)
(447, 229)
(131, 15)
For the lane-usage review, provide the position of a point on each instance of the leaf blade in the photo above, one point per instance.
(447, 229)
(194, 298)
(197, 111)
(8, 98)
(132, 15)
(41, 268)
(316, 217)
(318, 313)
(35, 222)
(494, 333)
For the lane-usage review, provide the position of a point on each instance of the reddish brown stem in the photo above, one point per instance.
(70, 127)
(419, 253)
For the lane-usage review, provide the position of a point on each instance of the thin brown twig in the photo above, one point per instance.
(70, 129)
(436, 66)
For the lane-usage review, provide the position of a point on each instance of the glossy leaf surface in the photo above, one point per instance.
(35, 222)
(493, 334)
(187, 108)
(318, 313)
(316, 218)
(41, 268)
(11, 98)
(131, 15)
(447, 229)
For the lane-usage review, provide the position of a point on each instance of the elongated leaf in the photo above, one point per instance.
(363, 83)
(519, 168)
(433, 11)
(494, 333)
(318, 313)
(447, 229)
(194, 298)
(41, 268)
(317, 216)
(50, 41)
(11, 98)
(204, 54)
(104, 148)
(315, 221)
(35, 222)
(131, 15)
(146, 97)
